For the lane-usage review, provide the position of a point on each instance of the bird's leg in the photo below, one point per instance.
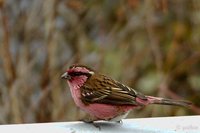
(90, 120)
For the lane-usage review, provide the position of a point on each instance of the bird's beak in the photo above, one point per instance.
(66, 76)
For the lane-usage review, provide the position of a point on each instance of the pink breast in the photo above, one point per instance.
(104, 111)
(101, 111)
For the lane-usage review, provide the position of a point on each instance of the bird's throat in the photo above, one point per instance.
(75, 85)
(77, 82)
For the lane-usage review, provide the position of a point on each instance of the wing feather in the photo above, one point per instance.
(109, 92)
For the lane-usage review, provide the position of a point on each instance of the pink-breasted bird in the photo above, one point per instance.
(107, 99)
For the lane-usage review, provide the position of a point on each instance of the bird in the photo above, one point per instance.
(104, 98)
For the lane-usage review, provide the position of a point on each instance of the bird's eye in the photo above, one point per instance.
(77, 73)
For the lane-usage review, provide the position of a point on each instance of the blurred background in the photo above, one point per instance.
(152, 46)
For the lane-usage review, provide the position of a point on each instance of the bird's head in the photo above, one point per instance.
(77, 73)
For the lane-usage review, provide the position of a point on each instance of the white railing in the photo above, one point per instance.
(185, 124)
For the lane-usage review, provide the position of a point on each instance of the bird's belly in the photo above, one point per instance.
(107, 112)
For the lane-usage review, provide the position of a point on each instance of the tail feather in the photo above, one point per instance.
(165, 101)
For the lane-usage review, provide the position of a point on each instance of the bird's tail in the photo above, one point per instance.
(165, 101)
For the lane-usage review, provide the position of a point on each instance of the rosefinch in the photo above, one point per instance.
(107, 99)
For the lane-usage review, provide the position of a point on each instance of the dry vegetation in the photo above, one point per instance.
(152, 46)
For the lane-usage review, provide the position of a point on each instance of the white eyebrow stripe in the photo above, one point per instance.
(91, 72)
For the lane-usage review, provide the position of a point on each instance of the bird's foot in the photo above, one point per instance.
(96, 125)
(91, 121)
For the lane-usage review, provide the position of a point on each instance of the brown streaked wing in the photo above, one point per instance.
(101, 89)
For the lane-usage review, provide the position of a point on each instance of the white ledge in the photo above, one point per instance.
(184, 124)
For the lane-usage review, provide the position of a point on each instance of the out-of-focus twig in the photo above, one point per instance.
(5, 48)
(186, 64)
(154, 42)
(51, 45)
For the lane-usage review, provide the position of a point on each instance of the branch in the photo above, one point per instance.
(5, 51)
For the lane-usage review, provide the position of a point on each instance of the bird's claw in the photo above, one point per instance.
(89, 121)
(96, 125)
